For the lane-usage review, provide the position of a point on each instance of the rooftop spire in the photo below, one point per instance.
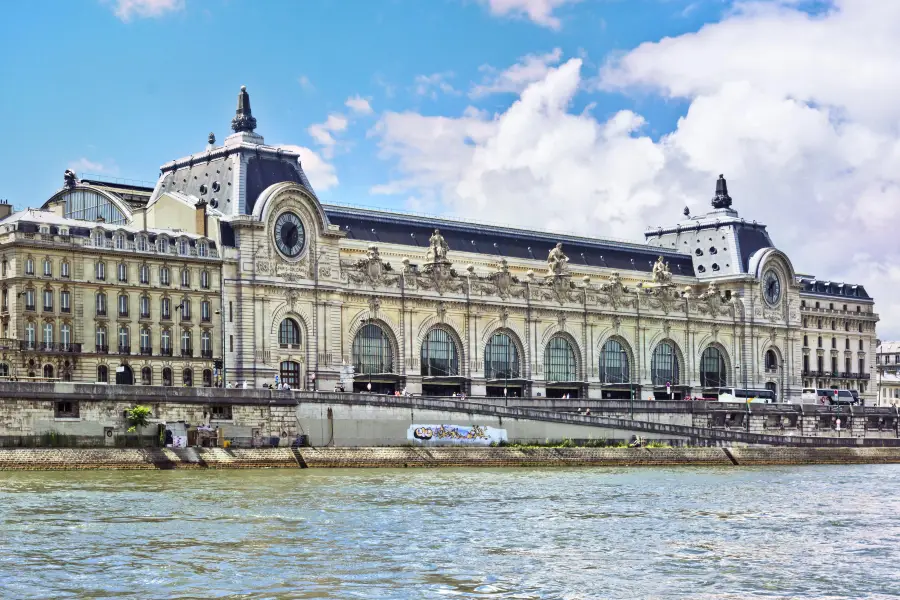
(243, 119)
(722, 199)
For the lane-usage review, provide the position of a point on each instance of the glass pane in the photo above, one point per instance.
(664, 365)
(439, 354)
(559, 361)
(712, 368)
(613, 363)
(372, 350)
(501, 358)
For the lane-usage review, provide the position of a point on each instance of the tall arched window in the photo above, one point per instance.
(207, 377)
(372, 350)
(187, 377)
(664, 365)
(48, 371)
(559, 360)
(440, 357)
(771, 360)
(712, 368)
(501, 357)
(613, 363)
(289, 334)
(146, 376)
(167, 376)
(103, 374)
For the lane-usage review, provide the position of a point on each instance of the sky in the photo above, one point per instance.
(596, 117)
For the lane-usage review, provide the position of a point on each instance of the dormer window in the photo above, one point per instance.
(120, 241)
(63, 231)
(183, 247)
(45, 229)
(98, 239)
(162, 244)
(142, 243)
(202, 249)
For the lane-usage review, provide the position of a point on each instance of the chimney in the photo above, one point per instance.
(200, 218)
(6, 209)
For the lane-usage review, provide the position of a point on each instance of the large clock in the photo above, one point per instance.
(290, 237)
(771, 287)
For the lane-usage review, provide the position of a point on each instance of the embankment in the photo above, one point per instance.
(317, 458)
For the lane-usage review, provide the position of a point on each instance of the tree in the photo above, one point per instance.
(138, 416)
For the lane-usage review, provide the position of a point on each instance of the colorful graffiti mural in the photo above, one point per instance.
(456, 434)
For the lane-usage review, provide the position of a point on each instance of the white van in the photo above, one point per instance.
(765, 396)
(827, 396)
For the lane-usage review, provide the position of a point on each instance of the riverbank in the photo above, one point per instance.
(402, 457)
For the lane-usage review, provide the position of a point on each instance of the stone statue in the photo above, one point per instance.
(211, 139)
(372, 253)
(437, 247)
(69, 178)
(661, 273)
(556, 261)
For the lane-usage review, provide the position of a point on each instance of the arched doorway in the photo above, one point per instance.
(124, 375)
(501, 367)
(713, 372)
(289, 372)
(614, 371)
(373, 361)
(48, 372)
(665, 372)
(561, 369)
(440, 364)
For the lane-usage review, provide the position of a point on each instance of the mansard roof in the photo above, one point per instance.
(413, 230)
(810, 285)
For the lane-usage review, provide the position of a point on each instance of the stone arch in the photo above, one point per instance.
(516, 340)
(364, 317)
(611, 334)
(579, 354)
(298, 314)
(679, 357)
(726, 356)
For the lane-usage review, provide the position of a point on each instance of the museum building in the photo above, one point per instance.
(319, 296)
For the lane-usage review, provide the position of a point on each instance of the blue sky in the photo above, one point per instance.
(122, 94)
(599, 117)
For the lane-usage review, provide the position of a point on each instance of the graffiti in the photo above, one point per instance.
(456, 434)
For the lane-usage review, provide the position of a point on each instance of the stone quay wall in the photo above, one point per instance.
(408, 457)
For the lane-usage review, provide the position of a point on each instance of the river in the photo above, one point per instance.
(806, 532)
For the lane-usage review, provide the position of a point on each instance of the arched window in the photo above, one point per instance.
(146, 376)
(48, 371)
(187, 377)
(101, 304)
(101, 340)
(664, 365)
(162, 245)
(30, 335)
(89, 205)
(48, 336)
(165, 342)
(289, 334)
(167, 376)
(501, 357)
(202, 249)
(290, 374)
(124, 342)
(372, 350)
(205, 344)
(440, 357)
(613, 363)
(559, 360)
(141, 243)
(101, 270)
(48, 268)
(204, 279)
(712, 368)
(123, 272)
(146, 346)
(186, 343)
(123, 304)
(185, 277)
(183, 246)
(144, 274)
(165, 308)
(164, 276)
(145, 306)
(65, 337)
(207, 377)
(102, 374)
(64, 268)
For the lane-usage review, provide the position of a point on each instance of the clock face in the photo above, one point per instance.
(771, 287)
(290, 237)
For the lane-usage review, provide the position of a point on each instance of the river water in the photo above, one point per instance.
(806, 532)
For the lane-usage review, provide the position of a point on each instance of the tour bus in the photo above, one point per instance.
(831, 396)
(765, 396)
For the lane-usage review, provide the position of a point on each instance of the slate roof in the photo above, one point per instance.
(809, 285)
(413, 230)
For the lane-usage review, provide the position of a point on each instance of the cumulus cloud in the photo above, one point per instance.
(430, 85)
(359, 105)
(127, 10)
(538, 11)
(322, 175)
(322, 132)
(798, 111)
(516, 78)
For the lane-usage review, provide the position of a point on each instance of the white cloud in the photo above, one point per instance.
(430, 85)
(305, 83)
(322, 132)
(804, 125)
(321, 173)
(516, 78)
(126, 10)
(83, 166)
(359, 105)
(538, 11)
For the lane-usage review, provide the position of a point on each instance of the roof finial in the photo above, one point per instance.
(243, 119)
(722, 199)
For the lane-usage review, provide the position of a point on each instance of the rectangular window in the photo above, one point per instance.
(123, 273)
(64, 269)
(101, 304)
(48, 300)
(221, 412)
(164, 276)
(64, 301)
(145, 307)
(48, 268)
(185, 310)
(66, 409)
(806, 363)
(166, 308)
(123, 305)
(145, 274)
(848, 367)
(834, 364)
(185, 278)
(29, 266)
(204, 279)
(862, 366)
(231, 343)
(230, 312)
(29, 299)
(101, 271)
(204, 311)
